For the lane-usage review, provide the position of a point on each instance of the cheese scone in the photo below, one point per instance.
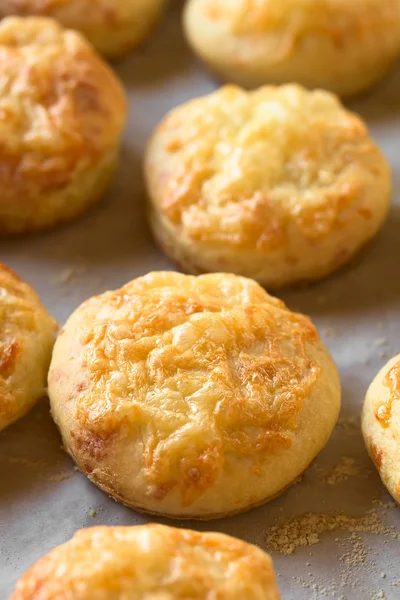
(62, 111)
(280, 184)
(114, 27)
(27, 335)
(150, 562)
(344, 46)
(381, 425)
(192, 396)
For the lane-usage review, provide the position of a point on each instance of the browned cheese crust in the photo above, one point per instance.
(114, 27)
(150, 562)
(62, 111)
(192, 396)
(27, 335)
(381, 425)
(280, 184)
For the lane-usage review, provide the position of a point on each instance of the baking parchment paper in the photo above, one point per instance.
(43, 500)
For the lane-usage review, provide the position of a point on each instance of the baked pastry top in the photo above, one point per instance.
(150, 562)
(341, 46)
(27, 335)
(381, 425)
(280, 184)
(192, 396)
(62, 111)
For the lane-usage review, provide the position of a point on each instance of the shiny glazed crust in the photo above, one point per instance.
(114, 27)
(27, 335)
(150, 562)
(280, 184)
(192, 396)
(62, 111)
(381, 425)
(340, 45)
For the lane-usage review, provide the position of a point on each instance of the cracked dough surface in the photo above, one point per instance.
(280, 184)
(62, 111)
(381, 425)
(113, 26)
(27, 335)
(192, 396)
(340, 45)
(150, 562)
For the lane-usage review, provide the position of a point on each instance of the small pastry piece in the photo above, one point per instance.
(192, 396)
(345, 46)
(27, 335)
(280, 184)
(62, 111)
(114, 27)
(150, 562)
(381, 425)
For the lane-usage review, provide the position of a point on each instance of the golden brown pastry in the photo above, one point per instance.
(280, 184)
(381, 425)
(150, 562)
(62, 111)
(114, 27)
(27, 335)
(192, 396)
(344, 46)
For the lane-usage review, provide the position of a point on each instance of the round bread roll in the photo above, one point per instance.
(192, 396)
(381, 425)
(344, 46)
(114, 27)
(62, 111)
(150, 562)
(280, 184)
(27, 335)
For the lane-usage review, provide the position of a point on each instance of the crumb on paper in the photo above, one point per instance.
(345, 469)
(25, 462)
(381, 341)
(330, 332)
(92, 513)
(306, 529)
(61, 476)
(385, 505)
(350, 424)
(69, 274)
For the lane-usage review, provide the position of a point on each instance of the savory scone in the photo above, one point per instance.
(281, 184)
(27, 335)
(62, 111)
(344, 46)
(114, 27)
(150, 562)
(192, 396)
(381, 425)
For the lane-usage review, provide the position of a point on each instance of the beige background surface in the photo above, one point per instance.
(43, 500)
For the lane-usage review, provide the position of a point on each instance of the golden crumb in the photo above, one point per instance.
(305, 530)
(346, 468)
